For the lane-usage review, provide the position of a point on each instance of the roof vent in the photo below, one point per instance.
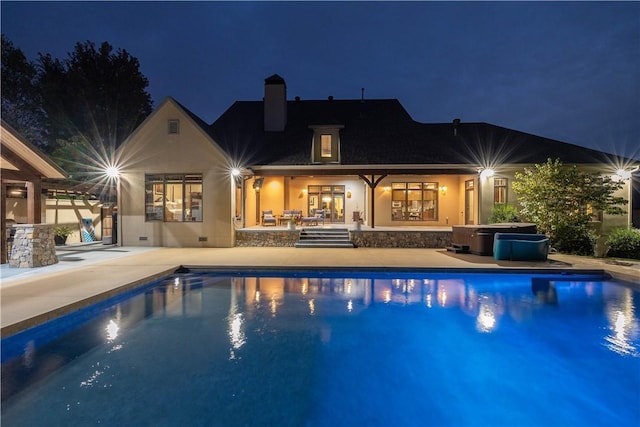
(297, 99)
(456, 123)
(330, 98)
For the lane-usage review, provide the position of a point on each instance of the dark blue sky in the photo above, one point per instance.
(569, 71)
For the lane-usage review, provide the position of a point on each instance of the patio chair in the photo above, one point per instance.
(315, 219)
(268, 218)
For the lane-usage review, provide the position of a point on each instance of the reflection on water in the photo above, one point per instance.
(623, 324)
(487, 301)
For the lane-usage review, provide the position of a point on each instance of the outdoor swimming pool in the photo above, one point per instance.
(336, 349)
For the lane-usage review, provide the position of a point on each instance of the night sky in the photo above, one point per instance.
(568, 71)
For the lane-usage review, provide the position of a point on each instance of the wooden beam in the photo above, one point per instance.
(17, 176)
(25, 170)
(34, 202)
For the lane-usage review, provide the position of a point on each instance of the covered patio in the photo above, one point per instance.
(23, 169)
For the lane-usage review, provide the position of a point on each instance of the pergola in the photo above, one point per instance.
(23, 165)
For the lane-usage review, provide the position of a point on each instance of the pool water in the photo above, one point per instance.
(348, 349)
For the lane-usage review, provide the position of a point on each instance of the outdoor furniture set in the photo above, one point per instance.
(268, 218)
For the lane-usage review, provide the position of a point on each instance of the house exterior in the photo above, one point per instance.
(353, 159)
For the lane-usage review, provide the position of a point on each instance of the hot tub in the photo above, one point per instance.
(478, 239)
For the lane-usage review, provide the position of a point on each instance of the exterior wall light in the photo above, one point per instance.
(443, 190)
(235, 172)
(487, 173)
(623, 175)
(112, 172)
(257, 183)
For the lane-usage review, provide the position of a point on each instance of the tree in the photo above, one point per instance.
(21, 106)
(561, 201)
(93, 100)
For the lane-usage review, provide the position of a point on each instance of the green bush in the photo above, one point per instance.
(503, 213)
(573, 239)
(624, 243)
(63, 230)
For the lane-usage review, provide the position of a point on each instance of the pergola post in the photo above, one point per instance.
(34, 202)
(372, 183)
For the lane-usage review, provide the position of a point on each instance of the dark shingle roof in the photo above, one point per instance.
(381, 132)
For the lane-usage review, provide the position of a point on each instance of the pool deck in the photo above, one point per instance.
(86, 274)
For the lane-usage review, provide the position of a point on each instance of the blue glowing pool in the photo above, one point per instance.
(336, 349)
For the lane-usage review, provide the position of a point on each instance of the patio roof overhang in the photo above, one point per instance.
(336, 169)
(20, 160)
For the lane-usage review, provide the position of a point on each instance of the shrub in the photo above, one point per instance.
(624, 243)
(503, 213)
(574, 239)
(63, 230)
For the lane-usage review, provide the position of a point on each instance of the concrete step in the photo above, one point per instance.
(324, 238)
(457, 248)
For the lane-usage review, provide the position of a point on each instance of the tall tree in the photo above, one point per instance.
(93, 100)
(21, 106)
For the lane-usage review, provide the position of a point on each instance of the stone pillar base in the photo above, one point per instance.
(33, 246)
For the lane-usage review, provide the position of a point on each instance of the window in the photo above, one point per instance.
(326, 143)
(173, 198)
(325, 146)
(499, 191)
(414, 201)
(174, 126)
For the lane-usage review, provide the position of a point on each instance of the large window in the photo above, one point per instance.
(414, 201)
(173, 198)
(499, 191)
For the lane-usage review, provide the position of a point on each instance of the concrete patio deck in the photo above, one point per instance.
(88, 274)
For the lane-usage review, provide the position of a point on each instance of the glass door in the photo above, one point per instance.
(469, 213)
(337, 215)
(329, 198)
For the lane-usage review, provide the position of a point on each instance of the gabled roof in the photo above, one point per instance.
(381, 132)
(197, 121)
(22, 160)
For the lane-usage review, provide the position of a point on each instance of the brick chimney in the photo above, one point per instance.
(275, 104)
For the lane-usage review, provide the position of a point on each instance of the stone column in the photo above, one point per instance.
(33, 246)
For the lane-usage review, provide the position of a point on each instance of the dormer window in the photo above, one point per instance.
(326, 144)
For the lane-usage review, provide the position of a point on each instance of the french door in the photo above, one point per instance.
(329, 198)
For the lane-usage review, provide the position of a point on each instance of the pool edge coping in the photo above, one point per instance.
(21, 325)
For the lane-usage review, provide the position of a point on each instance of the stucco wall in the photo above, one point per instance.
(151, 150)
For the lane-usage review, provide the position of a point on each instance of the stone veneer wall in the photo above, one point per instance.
(278, 238)
(33, 246)
(401, 239)
(365, 239)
